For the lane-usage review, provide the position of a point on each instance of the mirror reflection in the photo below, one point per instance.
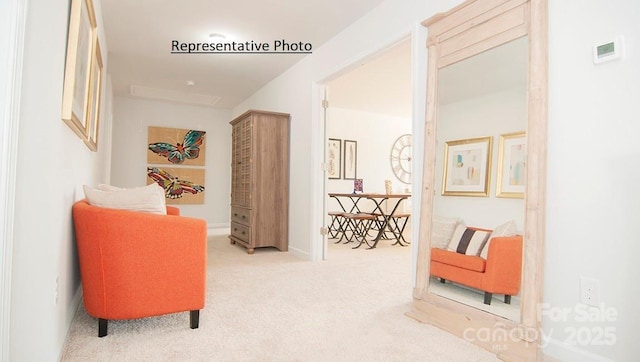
(478, 223)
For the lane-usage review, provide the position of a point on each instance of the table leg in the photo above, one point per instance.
(399, 222)
(385, 223)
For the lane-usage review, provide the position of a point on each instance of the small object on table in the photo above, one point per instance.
(357, 185)
(388, 188)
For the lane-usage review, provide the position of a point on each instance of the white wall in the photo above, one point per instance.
(593, 195)
(52, 163)
(375, 134)
(133, 116)
(487, 115)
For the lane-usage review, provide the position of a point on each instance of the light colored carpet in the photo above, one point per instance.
(272, 306)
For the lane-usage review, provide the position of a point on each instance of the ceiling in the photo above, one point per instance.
(383, 84)
(139, 35)
(380, 85)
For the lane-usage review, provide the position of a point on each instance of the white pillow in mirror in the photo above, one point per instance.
(442, 230)
(509, 228)
(148, 198)
(468, 241)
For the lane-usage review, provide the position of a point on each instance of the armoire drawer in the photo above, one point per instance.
(241, 215)
(241, 232)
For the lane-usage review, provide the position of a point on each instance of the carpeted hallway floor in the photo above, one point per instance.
(272, 306)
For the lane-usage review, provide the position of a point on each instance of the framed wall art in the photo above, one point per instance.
(75, 96)
(512, 165)
(334, 158)
(95, 97)
(176, 146)
(350, 158)
(181, 185)
(467, 167)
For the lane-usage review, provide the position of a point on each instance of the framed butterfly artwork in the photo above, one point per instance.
(176, 146)
(181, 185)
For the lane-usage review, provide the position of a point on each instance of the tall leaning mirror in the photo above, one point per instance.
(479, 180)
(479, 269)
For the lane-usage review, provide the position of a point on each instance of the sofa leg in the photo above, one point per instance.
(102, 327)
(194, 318)
(507, 299)
(487, 298)
(442, 280)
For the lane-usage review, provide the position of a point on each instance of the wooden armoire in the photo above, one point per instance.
(260, 180)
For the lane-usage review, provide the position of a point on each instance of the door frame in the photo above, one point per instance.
(12, 29)
(417, 37)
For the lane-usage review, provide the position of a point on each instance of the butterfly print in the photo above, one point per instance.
(174, 188)
(188, 149)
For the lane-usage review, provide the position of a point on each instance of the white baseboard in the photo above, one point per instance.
(225, 229)
(73, 310)
(565, 353)
(301, 254)
(218, 229)
(77, 299)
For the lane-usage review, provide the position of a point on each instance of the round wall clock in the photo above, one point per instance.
(401, 158)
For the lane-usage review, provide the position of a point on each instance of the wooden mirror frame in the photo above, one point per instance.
(469, 29)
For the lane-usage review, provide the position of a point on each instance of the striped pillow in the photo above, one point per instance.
(468, 241)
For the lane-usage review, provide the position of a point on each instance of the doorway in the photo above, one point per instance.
(369, 106)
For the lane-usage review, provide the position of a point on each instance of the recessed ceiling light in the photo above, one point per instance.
(217, 36)
(191, 83)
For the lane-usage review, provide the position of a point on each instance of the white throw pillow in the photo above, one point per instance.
(442, 230)
(509, 228)
(468, 241)
(105, 187)
(148, 198)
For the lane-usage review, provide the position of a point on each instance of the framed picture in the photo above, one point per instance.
(467, 167)
(181, 185)
(77, 74)
(512, 165)
(176, 146)
(350, 157)
(334, 158)
(95, 96)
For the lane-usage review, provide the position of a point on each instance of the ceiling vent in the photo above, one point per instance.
(174, 96)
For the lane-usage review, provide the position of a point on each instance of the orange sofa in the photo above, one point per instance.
(500, 273)
(135, 264)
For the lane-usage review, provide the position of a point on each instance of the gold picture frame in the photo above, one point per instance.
(512, 165)
(95, 97)
(77, 77)
(467, 167)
